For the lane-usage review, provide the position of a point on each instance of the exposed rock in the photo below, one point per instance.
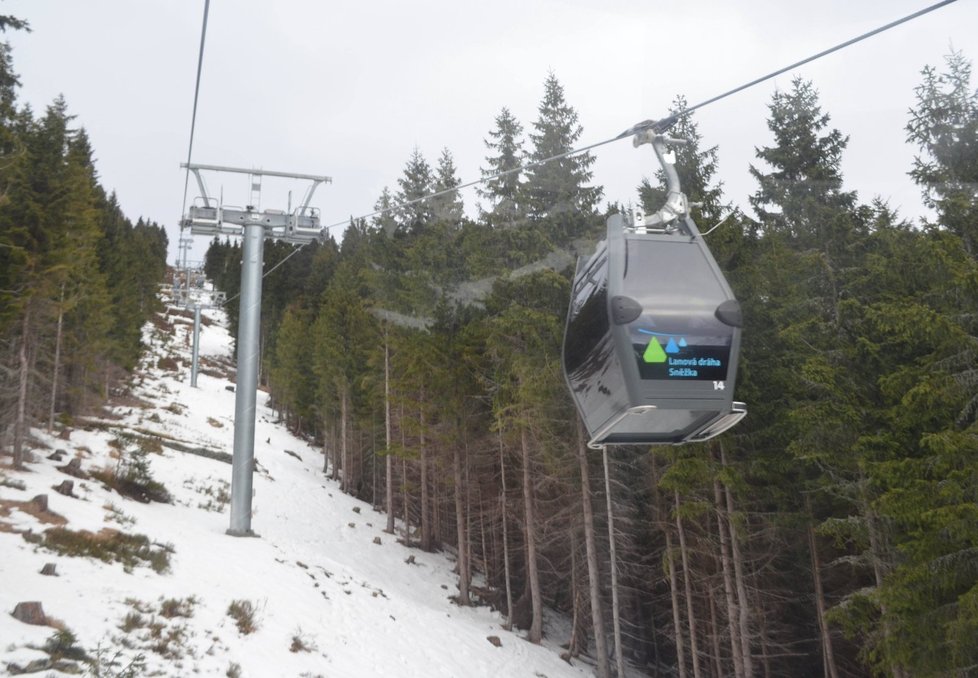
(49, 570)
(495, 640)
(67, 488)
(30, 613)
(229, 388)
(351, 524)
(377, 540)
(58, 455)
(410, 560)
(356, 509)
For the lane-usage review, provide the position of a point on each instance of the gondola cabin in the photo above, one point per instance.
(652, 338)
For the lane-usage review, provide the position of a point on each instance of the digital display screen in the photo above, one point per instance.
(681, 355)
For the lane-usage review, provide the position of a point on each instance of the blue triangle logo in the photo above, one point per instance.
(671, 347)
(682, 342)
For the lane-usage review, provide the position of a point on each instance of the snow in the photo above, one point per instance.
(314, 573)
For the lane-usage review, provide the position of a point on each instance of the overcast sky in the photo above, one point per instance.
(349, 89)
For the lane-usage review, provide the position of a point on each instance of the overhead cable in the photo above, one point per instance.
(656, 125)
(667, 122)
(193, 117)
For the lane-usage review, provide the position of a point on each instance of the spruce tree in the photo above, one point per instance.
(448, 207)
(290, 376)
(558, 188)
(386, 221)
(12, 163)
(415, 183)
(944, 125)
(804, 181)
(504, 192)
(801, 345)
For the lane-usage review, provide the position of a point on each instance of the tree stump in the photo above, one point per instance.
(49, 570)
(73, 468)
(30, 613)
(66, 488)
(40, 503)
(495, 640)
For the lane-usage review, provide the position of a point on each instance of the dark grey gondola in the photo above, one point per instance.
(653, 332)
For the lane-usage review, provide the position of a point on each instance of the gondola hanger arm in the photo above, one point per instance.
(676, 204)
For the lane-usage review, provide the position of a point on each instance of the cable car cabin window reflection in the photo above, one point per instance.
(588, 323)
(678, 336)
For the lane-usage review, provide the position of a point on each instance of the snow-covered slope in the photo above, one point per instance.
(329, 599)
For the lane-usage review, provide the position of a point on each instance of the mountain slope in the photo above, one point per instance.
(328, 599)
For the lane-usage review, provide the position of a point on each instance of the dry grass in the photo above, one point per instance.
(45, 517)
(106, 545)
(243, 613)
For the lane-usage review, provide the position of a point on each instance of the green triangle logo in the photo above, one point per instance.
(654, 353)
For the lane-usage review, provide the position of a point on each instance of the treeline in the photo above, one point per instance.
(834, 532)
(77, 278)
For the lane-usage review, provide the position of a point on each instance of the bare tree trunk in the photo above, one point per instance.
(738, 562)
(677, 625)
(327, 434)
(344, 459)
(502, 509)
(23, 374)
(335, 455)
(877, 555)
(437, 505)
(425, 498)
(389, 460)
(765, 644)
(572, 644)
(460, 528)
(688, 584)
(728, 586)
(593, 575)
(57, 360)
(469, 558)
(533, 575)
(487, 563)
(406, 501)
(615, 609)
(714, 633)
(828, 656)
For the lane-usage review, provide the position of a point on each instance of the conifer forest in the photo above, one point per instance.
(78, 279)
(833, 532)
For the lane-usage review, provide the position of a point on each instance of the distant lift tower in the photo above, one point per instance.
(299, 226)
